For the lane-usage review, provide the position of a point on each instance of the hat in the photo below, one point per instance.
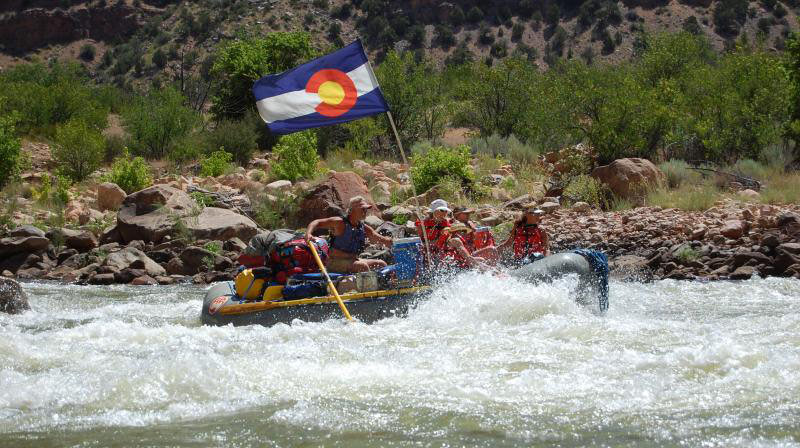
(439, 204)
(462, 209)
(360, 201)
(458, 227)
(533, 209)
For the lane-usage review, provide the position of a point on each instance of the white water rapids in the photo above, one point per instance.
(483, 362)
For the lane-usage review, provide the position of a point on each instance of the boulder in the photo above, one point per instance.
(748, 194)
(130, 257)
(549, 207)
(330, 197)
(221, 224)
(373, 221)
(234, 245)
(102, 279)
(733, 229)
(518, 203)
(110, 196)
(279, 185)
(151, 214)
(27, 230)
(144, 280)
(12, 298)
(581, 207)
(22, 244)
(397, 210)
(196, 259)
(80, 240)
(629, 178)
(742, 273)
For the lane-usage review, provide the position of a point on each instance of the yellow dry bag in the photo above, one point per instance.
(251, 283)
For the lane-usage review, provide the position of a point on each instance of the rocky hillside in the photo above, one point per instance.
(126, 40)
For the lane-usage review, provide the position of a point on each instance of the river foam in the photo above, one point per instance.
(483, 361)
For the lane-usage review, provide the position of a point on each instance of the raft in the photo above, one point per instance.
(222, 306)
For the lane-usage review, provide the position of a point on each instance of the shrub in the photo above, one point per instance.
(693, 198)
(430, 168)
(114, 147)
(129, 174)
(87, 53)
(50, 194)
(159, 58)
(516, 32)
(509, 148)
(9, 149)
(474, 15)
(216, 164)
(751, 168)
(186, 150)
(157, 121)
(78, 149)
(678, 173)
(296, 156)
(238, 137)
(274, 211)
(584, 188)
(686, 254)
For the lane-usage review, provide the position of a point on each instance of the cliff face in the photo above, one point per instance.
(33, 28)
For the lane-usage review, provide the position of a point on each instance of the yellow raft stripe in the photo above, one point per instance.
(253, 307)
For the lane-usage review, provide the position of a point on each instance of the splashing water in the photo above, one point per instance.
(483, 361)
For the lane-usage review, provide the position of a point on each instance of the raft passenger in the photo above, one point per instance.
(445, 249)
(479, 243)
(349, 238)
(528, 239)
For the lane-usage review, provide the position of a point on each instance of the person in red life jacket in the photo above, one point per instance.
(445, 249)
(349, 238)
(528, 239)
(480, 243)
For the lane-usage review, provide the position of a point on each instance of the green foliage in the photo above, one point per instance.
(241, 62)
(9, 149)
(509, 148)
(438, 162)
(238, 137)
(686, 254)
(215, 247)
(52, 192)
(274, 211)
(296, 156)
(216, 164)
(584, 188)
(678, 173)
(203, 200)
(157, 121)
(730, 15)
(79, 149)
(87, 52)
(46, 96)
(130, 174)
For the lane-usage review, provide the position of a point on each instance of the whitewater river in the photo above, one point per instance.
(484, 362)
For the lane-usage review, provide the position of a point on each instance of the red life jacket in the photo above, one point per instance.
(437, 237)
(451, 256)
(527, 240)
(482, 238)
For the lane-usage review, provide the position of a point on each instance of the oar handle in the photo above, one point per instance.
(328, 277)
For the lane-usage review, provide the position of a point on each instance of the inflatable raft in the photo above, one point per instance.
(222, 306)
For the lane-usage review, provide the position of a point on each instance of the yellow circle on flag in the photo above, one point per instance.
(331, 92)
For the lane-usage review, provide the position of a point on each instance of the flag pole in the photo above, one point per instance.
(413, 188)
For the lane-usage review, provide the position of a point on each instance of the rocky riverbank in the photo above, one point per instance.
(189, 229)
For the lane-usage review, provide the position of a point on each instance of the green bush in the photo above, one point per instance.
(584, 188)
(130, 174)
(87, 53)
(679, 173)
(216, 164)
(296, 156)
(241, 62)
(186, 150)
(9, 149)
(509, 148)
(439, 162)
(238, 137)
(115, 145)
(751, 168)
(50, 194)
(78, 149)
(157, 121)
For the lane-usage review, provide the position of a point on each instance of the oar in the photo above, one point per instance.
(330, 283)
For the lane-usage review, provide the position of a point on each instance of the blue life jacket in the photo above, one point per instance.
(353, 240)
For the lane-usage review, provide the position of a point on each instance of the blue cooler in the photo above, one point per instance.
(406, 256)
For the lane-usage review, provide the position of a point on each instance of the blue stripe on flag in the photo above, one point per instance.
(346, 59)
(369, 104)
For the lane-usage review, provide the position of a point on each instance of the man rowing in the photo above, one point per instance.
(349, 237)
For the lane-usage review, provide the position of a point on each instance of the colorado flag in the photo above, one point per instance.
(331, 89)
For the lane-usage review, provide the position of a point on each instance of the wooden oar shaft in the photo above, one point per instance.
(330, 283)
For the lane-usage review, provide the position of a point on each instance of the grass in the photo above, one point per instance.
(782, 189)
(686, 197)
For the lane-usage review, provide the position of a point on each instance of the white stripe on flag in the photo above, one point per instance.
(299, 102)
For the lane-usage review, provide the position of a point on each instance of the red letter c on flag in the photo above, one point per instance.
(336, 89)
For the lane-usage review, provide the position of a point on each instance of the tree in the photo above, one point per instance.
(474, 15)
(405, 84)
(496, 97)
(9, 149)
(79, 149)
(243, 61)
(157, 121)
(159, 58)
